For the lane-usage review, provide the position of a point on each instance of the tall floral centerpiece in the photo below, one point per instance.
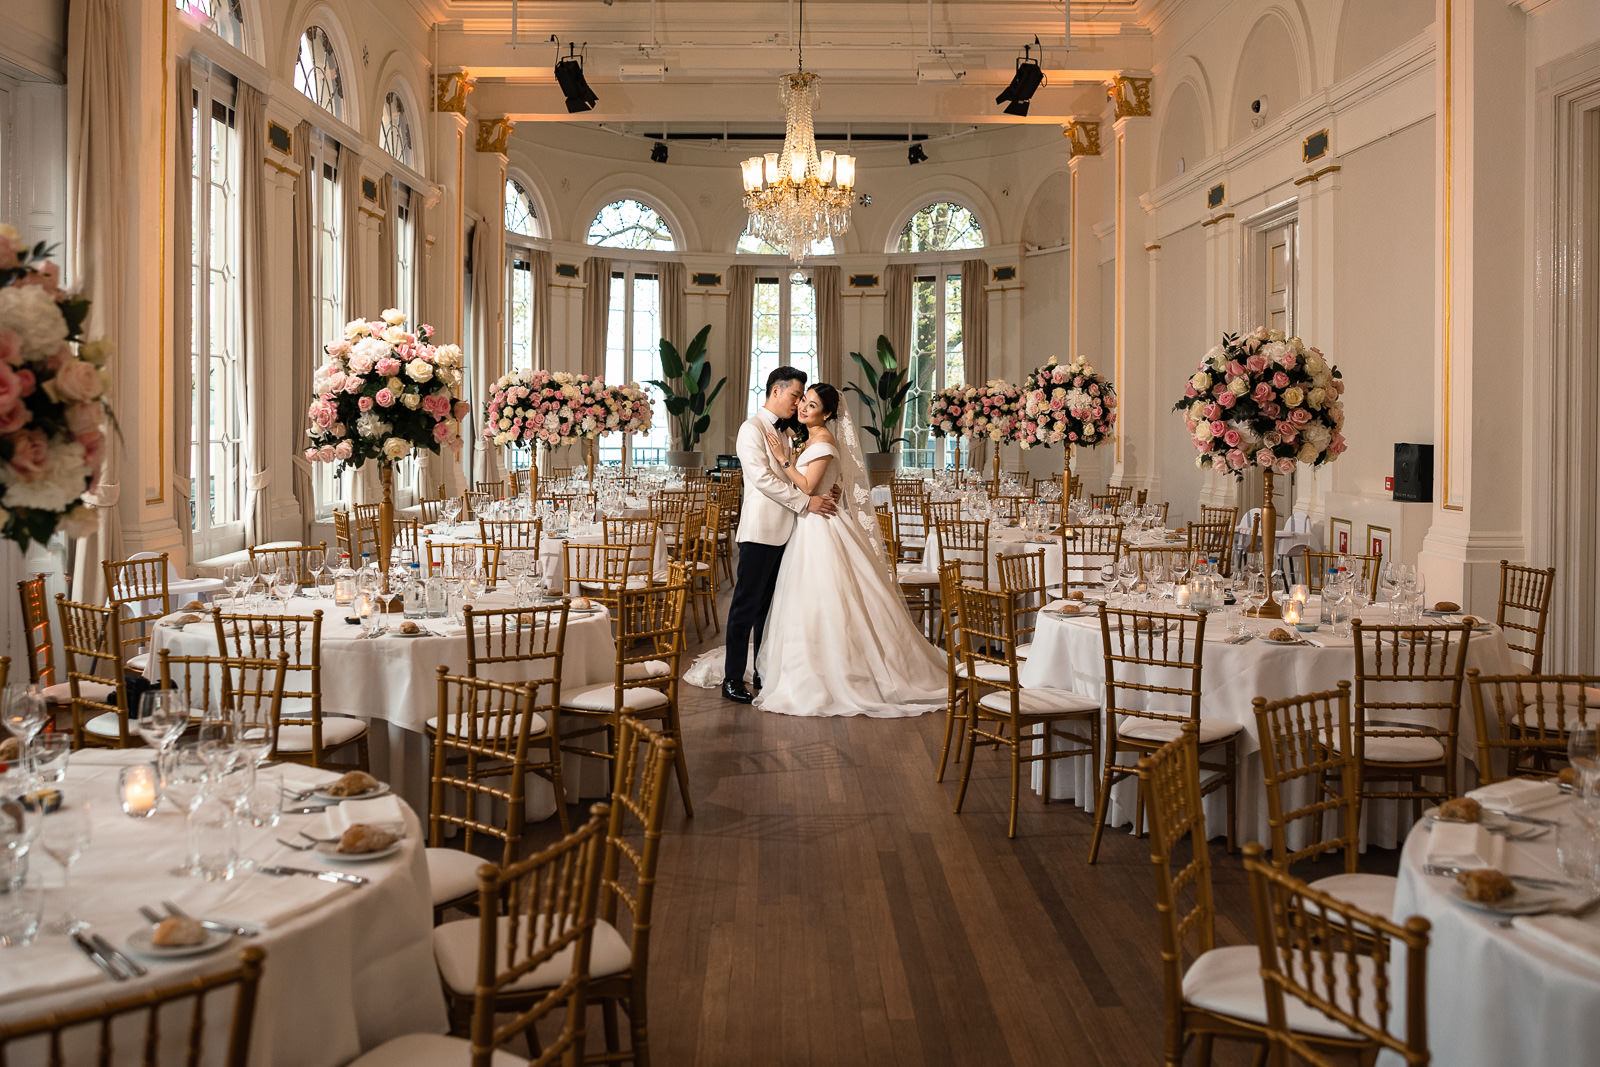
(527, 408)
(986, 412)
(1070, 405)
(1264, 402)
(383, 394)
(53, 408)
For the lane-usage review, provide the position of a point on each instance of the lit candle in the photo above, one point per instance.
(137, 784)
(1299, 593)
(1183, 595)
(1291, 612)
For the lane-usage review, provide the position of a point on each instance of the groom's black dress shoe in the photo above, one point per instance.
(758, 680)
(736, 692)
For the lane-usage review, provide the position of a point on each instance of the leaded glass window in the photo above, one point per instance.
(316, 71)
(225, 18)
(520, 216)
(750, 244)
(941, 227)
(630, 224)
(394, 134)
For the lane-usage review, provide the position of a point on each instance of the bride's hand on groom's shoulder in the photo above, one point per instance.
(778, 446)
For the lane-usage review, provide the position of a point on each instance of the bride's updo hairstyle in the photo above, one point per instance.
(828, 397)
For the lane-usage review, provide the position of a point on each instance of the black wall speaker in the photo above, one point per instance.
(1413, 472)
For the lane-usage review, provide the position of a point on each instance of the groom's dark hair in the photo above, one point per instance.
(785, 374)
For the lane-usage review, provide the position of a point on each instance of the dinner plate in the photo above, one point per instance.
(397, 633)
(1489, 820)
(140, 942)
(380, 790)
(1276, 641)
(1520, 902)
(330, 850)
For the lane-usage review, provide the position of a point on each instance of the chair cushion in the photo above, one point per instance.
(455, 950)
(1040, 701)
(1023, 651)
(604, 698)
(1227, 981)
(105, 725)
(1389, 749)
(61, 693)
(915, 574)
(336, 730)
(536, 725)
(137, 664)
(452, 873)
(650, 668)
(1162, 731)
(430, 1050)
(1372, 893)
(988, 672)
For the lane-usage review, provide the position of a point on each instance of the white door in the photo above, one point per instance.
(1273, 283)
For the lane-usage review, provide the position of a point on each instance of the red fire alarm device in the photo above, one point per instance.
(1388, 484)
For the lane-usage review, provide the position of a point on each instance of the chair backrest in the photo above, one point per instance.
(496, 489)
(1524, 610)
(950, 606)
(529, 913)
(36, 631)
(1317, 564)
(1021, 577)
(473, 502)
(633, 839)
(138, 586)
(1308, 757)
(344, 540)
(649, 627)
(967, 542)
(1169, 780)
(250, 688)
(1006, 508)
(430, 510)
(1085, 549)
(1121, 493)
(300, 638)
(449, 559)
(1153, 664)
(989, 636)
(296, 557)
(938, 511)
(91, 642)
(598, 571)
(1108, 501)
(907, 497)
(1408, 683)
(532, 638)
(1226, 516)
(365, 525)
(1214, 539)
(1146, 557)
(1529, 718)
(81, 1035)
(886, 532)
(1336, 958)
(481, 724)
(514, 533)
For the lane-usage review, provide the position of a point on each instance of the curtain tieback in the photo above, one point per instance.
(104, 496)
(259, 480)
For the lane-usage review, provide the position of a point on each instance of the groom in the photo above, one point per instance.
(766, 519)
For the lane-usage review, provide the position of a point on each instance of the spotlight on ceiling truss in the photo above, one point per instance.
(569, 74)
(915, 155)
(658, 152)
(1028, 77)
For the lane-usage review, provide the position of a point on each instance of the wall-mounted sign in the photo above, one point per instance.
(566, 270)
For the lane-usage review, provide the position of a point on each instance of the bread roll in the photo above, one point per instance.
(1487, 885)
(1447, 605)
(1461, 809)
(353, 784)
(364, 838)
(176, 931)
(409, 627)
(1278, 633)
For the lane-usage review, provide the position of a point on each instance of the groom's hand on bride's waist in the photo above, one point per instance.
(835, 493)
(821, 505)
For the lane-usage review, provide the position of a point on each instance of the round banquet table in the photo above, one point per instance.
(393, 682)
(347, 967)
(1068, 654)
(552, 550)
(1008, 540)
(1497, 995)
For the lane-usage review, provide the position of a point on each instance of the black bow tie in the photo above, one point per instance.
(788, 425)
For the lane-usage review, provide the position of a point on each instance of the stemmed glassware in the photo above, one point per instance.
(1389, 578)
(163, 716)
(316, 563)
(65, 833)
(261, 806)
(24, 714)
(285, 584)
(450, 510)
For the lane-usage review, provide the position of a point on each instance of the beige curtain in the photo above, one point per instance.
(182, 309)
(388, 283)
(830, 326)
(596, 314)
(741, 319)
(539, 265)
(250, 109)
(674, 306)
(483, 462)
(897, 308)
(430, 468)
(974, 321)
(350, 227)
(306, 352)
(97, 148)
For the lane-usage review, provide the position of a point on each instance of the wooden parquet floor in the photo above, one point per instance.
(826, 906)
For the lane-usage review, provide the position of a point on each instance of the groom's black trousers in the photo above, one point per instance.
(752, 596)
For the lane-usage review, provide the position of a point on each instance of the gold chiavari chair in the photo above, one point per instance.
(1213, 540)
(90, 1034)
(364, 521)
(1210, 515)
(1049, 511)
(308, 732)
(1107, 501)
(640, 535)
(1165, 507)
(1145, 557)
(496, 490)
(527, 954)
(250, 689)
(1021, 576)
(907, 496)
(1529, 718)
(295, 557)
(701, 555)
(1008, 508)
(473, 502)
(1524, 608)
(941, 511)
(1407, 709)
(560, 474)
(958, 693)
(40, 647)
(429, 510)
(1085, 550)
(138, 588)
(1307, 758)
(671, 508)
(408, 536)
(599, 572)
(1326, 966)
(1154, 663)
(649, 632)
(1122, 493)
(97, 678)
(450, 559)
(344, 537)
(967, 542)
(1317, 564)
(512, 533)
(1033, 724)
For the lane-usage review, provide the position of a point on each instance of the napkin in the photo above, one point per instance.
(1463, 844)
(379, 811)
(1574, 938)
(1517, 795)
(50, 965)
(262, 901)
(181, 618)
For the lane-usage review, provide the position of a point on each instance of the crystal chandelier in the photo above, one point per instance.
(798, 196)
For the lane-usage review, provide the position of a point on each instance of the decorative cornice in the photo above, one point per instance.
(494, 133)
(451, 92)
(1309, 178)
(1130, 95)
(1217, 218)
(1083, 136)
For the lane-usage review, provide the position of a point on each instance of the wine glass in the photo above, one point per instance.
(48, 758)
(450, 510)
(254, 732)
(316, 562)
(65, 833)
(285, 584)
(216, 724)
(163, 716)
(25, 713)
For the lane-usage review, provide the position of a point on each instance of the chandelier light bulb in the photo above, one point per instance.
(772, 168)
(753, 168)
(825, 169)
(844, 169)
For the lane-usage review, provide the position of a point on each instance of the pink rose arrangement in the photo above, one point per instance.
(384, 393)
(1072, 404)
(1264, 401)
(526, 407)
(984, 412)
(53, 408)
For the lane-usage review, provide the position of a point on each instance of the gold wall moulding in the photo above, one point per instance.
(280, 138)
(1084, 138)
(1309, 178)
(494, 133)
(1218, 218)
(451, 92)
(706, 278)
(1003, 274)
(1130, 94)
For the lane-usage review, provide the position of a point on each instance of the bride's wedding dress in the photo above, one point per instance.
(838, 639)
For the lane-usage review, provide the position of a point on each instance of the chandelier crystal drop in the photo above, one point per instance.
(799, 196)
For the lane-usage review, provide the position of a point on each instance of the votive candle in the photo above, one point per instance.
(1182, 595)
(1299, 593)
(137, 785)
(1291, 612)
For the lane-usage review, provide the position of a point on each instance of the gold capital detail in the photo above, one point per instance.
(452, 90)
(1130, 95)
(1084, 137)
(494, 133)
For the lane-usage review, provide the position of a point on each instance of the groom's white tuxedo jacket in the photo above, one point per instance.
(771, 500)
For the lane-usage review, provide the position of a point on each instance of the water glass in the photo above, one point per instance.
(64, 834)
(48, 756)
(213, 835)
(1579, 853)
(21, 908)
(163, 716)
(24, 713)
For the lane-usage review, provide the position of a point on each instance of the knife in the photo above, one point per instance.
(116, 955)
(1517, 817)
(326, 876)
(99, 960)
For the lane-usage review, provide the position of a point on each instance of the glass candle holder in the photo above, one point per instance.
(1300, 594)
(1291, 612)
(139, 787)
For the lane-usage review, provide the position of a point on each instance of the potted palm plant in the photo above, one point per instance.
(685, 385)
(885, 400)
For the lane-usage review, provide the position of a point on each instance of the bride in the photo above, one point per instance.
(838, 638)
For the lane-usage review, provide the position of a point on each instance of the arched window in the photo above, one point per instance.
(394, 133)
(520, 215)
(750, 244)
(630, 224)
(316, 71)
(225, 18)
(941, 227)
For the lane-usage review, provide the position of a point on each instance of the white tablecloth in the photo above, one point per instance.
(347, 968)
(552, 550)
(1068, 654)
(1008, 540)
(1497, 995)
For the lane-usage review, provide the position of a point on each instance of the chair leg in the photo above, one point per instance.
(1103, 802)
(1046, 762)
(1016, 780)
(613, 1033)
(1231, 753)
(683, 772)
(952, 702)
(972, 756)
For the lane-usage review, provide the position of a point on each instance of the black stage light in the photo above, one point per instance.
(658, 154)
(1029, 77)
(915, 155)
(569, 73)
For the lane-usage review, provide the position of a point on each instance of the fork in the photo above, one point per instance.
(210, 924)
(296, 847)
(317, 840)
(298, 794)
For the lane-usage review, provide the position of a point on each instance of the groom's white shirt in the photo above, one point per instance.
(771, 500)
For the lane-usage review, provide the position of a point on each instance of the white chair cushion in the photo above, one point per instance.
(604, 698)
(1386, 749)
(1162, 731)
(1041, 701)
(650, 668)
(61, 693)
(430, 1050)
(105, 725)
(137, 664)
(536, 725)
(455, 950)
(988, 672)
(452, 873)
(336, 730)
(1227, 981)
(915, 574)
(1372, 893)
(1023, 651)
